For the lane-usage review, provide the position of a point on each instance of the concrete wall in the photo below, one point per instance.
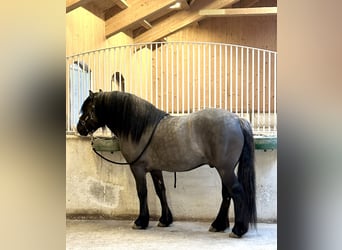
(96, 187)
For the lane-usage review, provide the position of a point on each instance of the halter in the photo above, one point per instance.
(88, 117)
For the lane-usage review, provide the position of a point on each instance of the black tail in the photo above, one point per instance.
(246, 172)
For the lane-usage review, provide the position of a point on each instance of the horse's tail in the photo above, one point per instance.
(246, 172)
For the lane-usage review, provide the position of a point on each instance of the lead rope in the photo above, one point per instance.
(142, 152)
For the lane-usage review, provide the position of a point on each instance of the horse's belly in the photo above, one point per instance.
(176, 157)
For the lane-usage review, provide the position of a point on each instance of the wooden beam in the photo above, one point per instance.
(138, 11)
(73, 4)
(145, 24)
(180, 20)
(121, 3)
(260, 11)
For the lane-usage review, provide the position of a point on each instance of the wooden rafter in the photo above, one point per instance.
(260, 11)
(180, 19)
(121, 3)
(73, 4)
(138, 11)
(145, 24)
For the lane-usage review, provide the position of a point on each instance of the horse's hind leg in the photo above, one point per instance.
(221, 222)
(240, 209)
(158, 181)
(236, 192)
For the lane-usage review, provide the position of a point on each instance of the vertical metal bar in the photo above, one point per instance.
(247, 81)
(104, 70)
(199, 76)
(99, 71)
(123, 66)
(225, 77)
(177, 80)
(167, 77)
(209, 74)
(263, 89)
(275, 91)
(231, 79)
(236, 80)
(220, 77)
(204, 70)
(156, 78)
(253, 62)
(242, 88)
(114, 68)
(81, 83)
(162, 76)
(193, 79)
(146, 71)
(172, 78)
(151, 72)
(133, 65)
(110, 71)
(215, 84)
(142, 69)
(188, 76)
(269, 91)
(182, 60)
(258, 72)
(78, 86)
(94, 72)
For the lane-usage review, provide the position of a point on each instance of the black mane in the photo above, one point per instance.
(126, 114)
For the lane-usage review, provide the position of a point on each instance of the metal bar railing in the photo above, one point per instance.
(181, 77)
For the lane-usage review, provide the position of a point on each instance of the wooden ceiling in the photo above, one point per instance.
(152, 20)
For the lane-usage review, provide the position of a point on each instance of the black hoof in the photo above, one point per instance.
(165, 221)
(233, 235)
(162, 225)
(219, 227)
(141, 223)
(138, 227)
(238, 230)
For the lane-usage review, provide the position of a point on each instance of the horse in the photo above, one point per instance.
(153, 141)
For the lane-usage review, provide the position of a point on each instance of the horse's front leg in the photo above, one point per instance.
(139, 174)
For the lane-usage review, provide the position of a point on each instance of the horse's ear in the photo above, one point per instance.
(91, 94)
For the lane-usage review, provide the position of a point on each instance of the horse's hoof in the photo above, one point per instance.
(215, 230)
(137, 227)
(233, 235)
(160, 224)
(212, 229)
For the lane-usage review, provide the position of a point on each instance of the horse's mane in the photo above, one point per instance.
(127, 114)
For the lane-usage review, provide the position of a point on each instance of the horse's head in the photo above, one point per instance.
(88, 121)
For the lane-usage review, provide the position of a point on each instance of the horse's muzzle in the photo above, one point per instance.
(81, 129)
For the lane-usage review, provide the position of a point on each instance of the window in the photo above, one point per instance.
(79, 86)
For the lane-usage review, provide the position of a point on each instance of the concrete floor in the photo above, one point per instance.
(118, 234)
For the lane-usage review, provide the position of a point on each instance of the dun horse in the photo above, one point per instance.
(153, 141)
